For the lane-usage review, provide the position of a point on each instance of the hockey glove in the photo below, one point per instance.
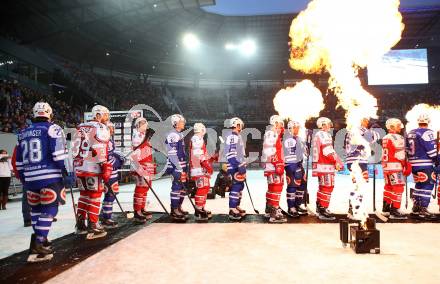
(242, 170)
(106, 169)
(407, 169)
(207, 166)
(69, 180)
(279, 169)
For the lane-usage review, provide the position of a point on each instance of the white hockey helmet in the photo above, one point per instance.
(235, 121)
(42, 109)
(323, 121)
(99, 109)
(392, 123)
(138, 121)
(175, 118)
(276, 118)
(424, 118)
(293, 123)
(199, 128)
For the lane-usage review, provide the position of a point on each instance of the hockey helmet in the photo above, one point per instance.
(424, 118)
(293, 123)
(235, 121)
(393, 123)
(42, 109)
(199, 128)
(99, 109)
(138, 121)
(176, 118)
(324, 121)
(276, 119)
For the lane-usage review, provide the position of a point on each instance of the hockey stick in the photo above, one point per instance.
(306, 190)
(377, 213)
(187, 194)
(406, 162)
(436, 175)
(250, 197)
(128, 215)
(157, 197)
(74, 207)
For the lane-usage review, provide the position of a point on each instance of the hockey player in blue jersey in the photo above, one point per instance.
(294, 149)
(176, 166)
(117, 161)
(40, 154)
(357, 149)
(422, 154)
(235, 155)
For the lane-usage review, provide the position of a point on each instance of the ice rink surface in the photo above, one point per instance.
(244, 253)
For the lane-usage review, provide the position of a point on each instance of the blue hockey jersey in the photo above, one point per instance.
(40, 154)
(294, 149)
(116, 160)
(234, 150)
(356, 152)
(175, 145)
(421, 148)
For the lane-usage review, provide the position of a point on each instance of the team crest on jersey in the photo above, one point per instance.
(33, 198)
(63, 196)
(421, 177)
(90, 183)
(239, 177)
(47, 196)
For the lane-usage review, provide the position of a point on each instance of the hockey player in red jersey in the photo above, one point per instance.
(325, 161)
(143, 169)
(395, 166)
(273, 161)
(93, 169)
(201, 171)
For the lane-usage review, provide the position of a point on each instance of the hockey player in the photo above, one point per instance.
(235, 154)
(39, 160)
(395, 166)
(325, 161)
(357, 149)
(422, 154)
(294, 149)
(117, 161)
(143, 167)
(201, 171)
(176, 166)
(93, 169)
(273, 161)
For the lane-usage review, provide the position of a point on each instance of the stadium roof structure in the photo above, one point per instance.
(145, 36)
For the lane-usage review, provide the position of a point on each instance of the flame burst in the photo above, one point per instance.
(299, 103)
(432, 110)
(341, 37)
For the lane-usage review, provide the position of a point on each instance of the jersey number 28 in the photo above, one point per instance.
(31, 150)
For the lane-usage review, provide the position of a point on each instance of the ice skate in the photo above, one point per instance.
(242, 211)
(324, 213)
(38, 252)
(177, 215)
(395, 214)
(95, 231)
(139, 218)
(209, 213)
(201, 216)
(386, 208)
(148, 215)
(293, 213)
(109, 223)
(421, 213)
(276, 216)
(80, 227)
(301, 211)
(234, 214)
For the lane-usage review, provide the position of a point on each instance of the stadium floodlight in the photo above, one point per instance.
(191, 41)
(248, 47)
